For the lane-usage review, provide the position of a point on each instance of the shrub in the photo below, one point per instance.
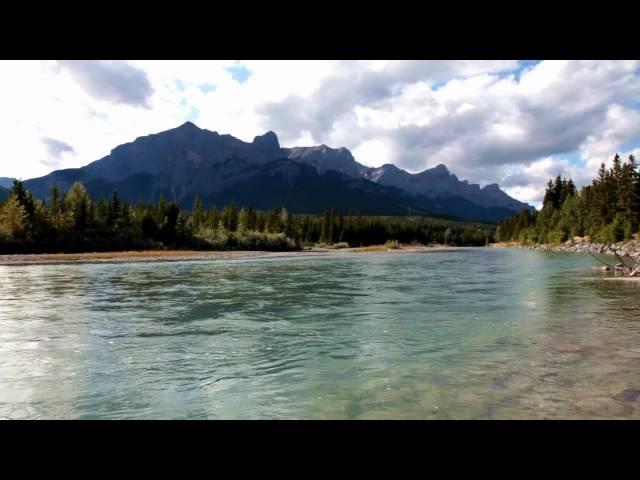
(392, 244)
(221, 239)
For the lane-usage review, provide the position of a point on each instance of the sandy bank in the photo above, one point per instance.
(624, 279)
(192, 255)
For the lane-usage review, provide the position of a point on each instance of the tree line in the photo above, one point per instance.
(73, 222)
(607, 210)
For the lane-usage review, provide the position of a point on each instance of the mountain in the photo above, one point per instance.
(438, 181)
(4, 193)
(6, 182)
(186, 160)
(324, 158)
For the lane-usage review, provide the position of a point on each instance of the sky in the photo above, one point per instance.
(515, 123)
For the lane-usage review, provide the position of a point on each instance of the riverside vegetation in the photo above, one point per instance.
(73, 222)
(605, 212)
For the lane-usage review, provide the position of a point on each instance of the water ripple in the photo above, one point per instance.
(482, 333)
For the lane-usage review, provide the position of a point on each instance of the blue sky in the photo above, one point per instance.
(239, 72)
(511, 122)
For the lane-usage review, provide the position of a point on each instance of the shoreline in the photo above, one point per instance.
(629, 248)
(148, 256)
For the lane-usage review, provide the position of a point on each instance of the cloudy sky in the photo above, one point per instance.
(515, 123)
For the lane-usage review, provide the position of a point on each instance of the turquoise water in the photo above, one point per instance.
(472, 334)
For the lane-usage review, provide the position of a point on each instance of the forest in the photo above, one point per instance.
(606, 211)
(73, 222)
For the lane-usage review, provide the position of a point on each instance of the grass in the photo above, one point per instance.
(335, 246)
(389, 245)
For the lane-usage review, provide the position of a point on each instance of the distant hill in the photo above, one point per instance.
(4, 193)
(186, 160)
(6, 182)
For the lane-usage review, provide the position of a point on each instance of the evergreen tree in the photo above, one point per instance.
(273, 221)
(197, 214)
(243, 220)
(325, 235)
(77, 202)
(55, 199)
(230, 217)
(252, 219)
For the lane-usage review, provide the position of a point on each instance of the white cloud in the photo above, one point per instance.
(483, 121)
(373, 153)
(620, 126)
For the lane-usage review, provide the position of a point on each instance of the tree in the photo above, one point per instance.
(23, 198)
(197, 214)
(325, 232)
(243, 220)
(252, 219)
(286, 223)
(13, 218)
(273, 221)
(114, 212)
(212, 218)
(77, 202)
(55, 199)
(230, 217)
(102, 214)
(447, 236)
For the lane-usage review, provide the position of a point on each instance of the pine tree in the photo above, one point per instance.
(114, 213)
(230, 217)
(213, 218)
(197, 215)
(55, 199)
(243, 220)
(77, 202)
(273, 221)
(251, 219)
(325, 235)
(332, 226)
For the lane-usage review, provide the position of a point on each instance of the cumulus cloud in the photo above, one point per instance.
(489, 121)
(618, 126)
(114, 81)
(362, 83)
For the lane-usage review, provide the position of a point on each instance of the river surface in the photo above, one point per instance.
(470, 334)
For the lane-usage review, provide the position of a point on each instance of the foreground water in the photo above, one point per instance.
(479, 333)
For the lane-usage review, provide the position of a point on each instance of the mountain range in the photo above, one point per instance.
(5, 185)
(6, 182)
(187, 160)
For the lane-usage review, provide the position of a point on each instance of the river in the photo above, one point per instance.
(469, 334)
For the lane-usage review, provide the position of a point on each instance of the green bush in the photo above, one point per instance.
(392, 244)
(221, 239)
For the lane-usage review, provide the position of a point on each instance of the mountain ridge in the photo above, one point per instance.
(6, 182)
(185, 160)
